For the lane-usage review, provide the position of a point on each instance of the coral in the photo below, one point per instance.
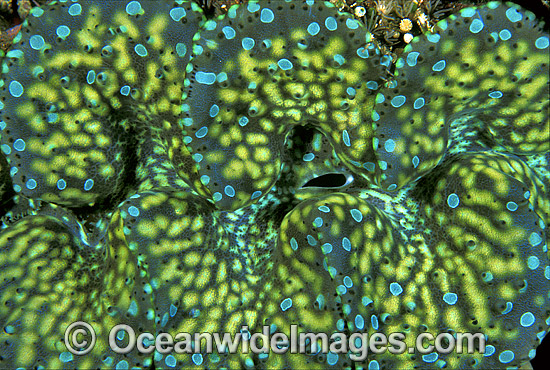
(269, 168)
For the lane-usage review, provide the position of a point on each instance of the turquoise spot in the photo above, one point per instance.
(248, 43)
(256, 194)
(509, 306)
(346, 244)
(243, 121)
(311, 240)
(348, 282)
(37, 12)
(505, 35)
(202, 132)
(468, 12)
(489, 351)
(133, 7)
(18, 53)
(140, 50)
(197, 157)
(313, 28)
(170, 360)
(205, 179)
(527, 194)
(356, 214)
(487, 277)
(74, 9)
(512, 206)
(345, 138)
(181, 49)
(229, 32)
(392, 187)
(177, 14)
(495, 94)
(369, 166)
(308, 157)
(430, 357)
(389, 145)
(352, 24)
(542, 42)
(533, 262)
(19, 145)
(229, 191)
(6, 149)
(415, 161)
(125, 90)
(285, 64)
(214, 110)
(36, 42)
(293, 244)
(450, 298)
(31, 184)
(419, 103)
(374, 365)
(173, 310)
(63, 31)
(453, 200)
(383, 165)
(412, 58)
(122, 365)
(217, 196)
(351, 91)
(439, 66)
(286, 304)
(513, 15)
(535, 239)
(365, 301)
(398, 101)
(253, 7)
(359, 322)
(90, 77)
(527, 319)
(506, 356)
(433, 37)
(16, 89)
(374, 322)
(267, 16)
(9, 329)
(331, 24)
(133, 309)
(88, 184)
(396, 289)
(339, 59)
(133, 211)
(205, 78)
(363, 52)
(61, 184)
(326, 248)
(66, 356)
(197, 358)
(476, 26)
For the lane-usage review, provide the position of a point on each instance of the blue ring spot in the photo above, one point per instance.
(450, 298)
(205, 78)
(374, 322)
(313, 28)
(356, 214)
(439, 66)
(419, 103)
(332, 358)
(542, 42)
(527, 319)
(308, 157)
(19, 145)
(345, 138)
(125, 90)
(267, 16)
(324, 209)
(170, 361)
(177, 13)
(37, 42)
(61, 184)
(533, 262)
(243, 121)
(327, 247)
(229, 191)
(63, 31)
(372, 85)
(311, 240)
(506, 356)
(217, 196)
(512, 206)
(197, 358)
(398, 101)
(88, 184)
(248, 43)
(140, 50)
(430, 357)
(181, 49)
(65, 356)
(489, 351)
(412, 58)
(331, 24)
(505, 35)
(31, 184)
(293, 244)
(16, 89)
(256, 194)
(74, 9)
(229, 32)
(202, 132)
(133, 211)
(433, 37)
(214, 110)
(346, 244)
(133, 7)
(6, 149)
(285, 64)
(513, 15)
(535, 239)
(389, 145)
(90, 77)
(352, 24)
(359, 322)
(363, 52)
(396, 289)
(205, 179)
(468, 12)
(286, 304)
(495, 94)
(453, 200)
(253, 7)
